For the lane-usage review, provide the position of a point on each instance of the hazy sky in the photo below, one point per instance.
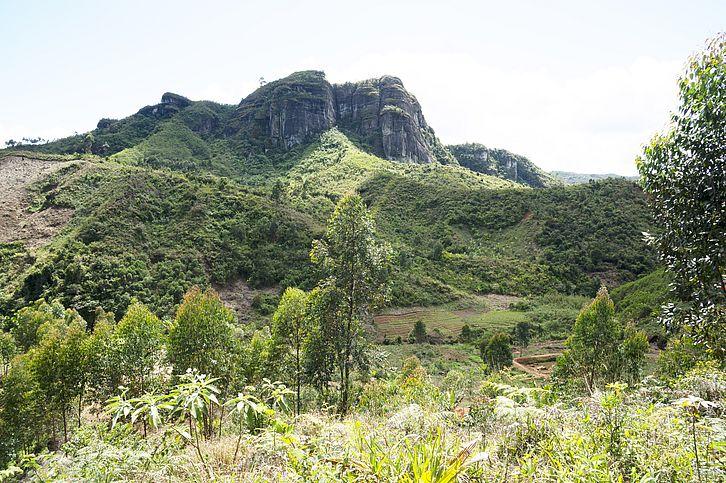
(574, 85)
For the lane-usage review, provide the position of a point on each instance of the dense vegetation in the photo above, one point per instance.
(145, 400)
(684, 172)
(454, 232)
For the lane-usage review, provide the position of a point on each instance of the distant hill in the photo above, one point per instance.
(577, 178)
(503, 164)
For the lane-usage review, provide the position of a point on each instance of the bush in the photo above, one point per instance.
(496, 351)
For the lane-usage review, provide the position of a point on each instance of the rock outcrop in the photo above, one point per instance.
(503, 164)
(389, 119)
(170, 104)
(379, 112)
(287, 112)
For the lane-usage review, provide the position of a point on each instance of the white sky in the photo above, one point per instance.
(575, 86)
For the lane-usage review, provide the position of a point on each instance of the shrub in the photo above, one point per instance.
(496, 351)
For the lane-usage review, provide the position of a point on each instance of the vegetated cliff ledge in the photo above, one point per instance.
(503, 164)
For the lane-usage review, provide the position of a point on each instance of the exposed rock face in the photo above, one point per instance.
(287, 112)
(388, 118)
(291, 111)
(170, 105)
(175, 100)
(502, 163)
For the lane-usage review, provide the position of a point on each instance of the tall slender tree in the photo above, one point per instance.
(684, 173)
(140, 336)
(354, 264)
(289, 329)
(201, 337)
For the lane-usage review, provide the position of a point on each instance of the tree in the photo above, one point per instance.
(289, 329)
(684, 173)
(201, 337)
(497, 351)
(23, 416)
(140, 336)
(523, 334)
(101, 356)
(418, 334)
(7, 351)
(354, 263)
(466, 333)
(88, 141)
(57, 363)
(632, 355)
(27, 321)
(592, 347)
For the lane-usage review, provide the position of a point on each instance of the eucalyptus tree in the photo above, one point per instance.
(201, 338)
(683, 171)
(290, 329)
(354, 263)
(58, 364)
(140, 343)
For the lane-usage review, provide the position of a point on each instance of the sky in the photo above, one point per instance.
(573, 85)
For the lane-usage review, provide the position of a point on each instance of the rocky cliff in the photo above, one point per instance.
(379, 112)
(503, 164)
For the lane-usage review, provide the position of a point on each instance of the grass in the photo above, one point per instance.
(438, 360)
(489, 314)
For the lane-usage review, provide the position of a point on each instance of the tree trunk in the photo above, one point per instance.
(297, 376)
(65, 427)
(80, 407)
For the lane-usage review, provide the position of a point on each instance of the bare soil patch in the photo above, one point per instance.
(238, 296)
(17, 223)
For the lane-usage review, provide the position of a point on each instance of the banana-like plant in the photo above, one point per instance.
(119, 407)
(193, 400)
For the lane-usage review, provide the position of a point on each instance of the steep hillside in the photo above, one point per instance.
(516, 241)
(150, 234)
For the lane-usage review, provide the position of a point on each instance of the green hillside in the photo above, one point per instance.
(150, 230)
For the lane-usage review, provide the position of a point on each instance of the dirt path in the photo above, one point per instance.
(17, 173)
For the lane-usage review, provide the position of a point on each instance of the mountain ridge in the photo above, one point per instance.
(279, 117)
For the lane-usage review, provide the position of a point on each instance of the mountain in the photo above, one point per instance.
(503, 164)
(577, 178)
(379, 112)
(186, 193)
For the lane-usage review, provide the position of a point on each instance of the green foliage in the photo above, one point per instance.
(418, 334)
(27, 321)
(599, 349)
(291, 329)
(503, 164)
(513, 241)
(7, 351)
(681, 355)
(201, 336)
(684, 173)
(641, 300)
(140, 336)
(354, 264)
(523, 333)
(496, 351)
(58, 364)
(152, 235)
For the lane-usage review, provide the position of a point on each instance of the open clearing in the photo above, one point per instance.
(17, 173)
(487, 312)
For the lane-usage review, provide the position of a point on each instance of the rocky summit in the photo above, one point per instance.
(380, 112)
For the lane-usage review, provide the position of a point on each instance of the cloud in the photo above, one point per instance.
(587, 121)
